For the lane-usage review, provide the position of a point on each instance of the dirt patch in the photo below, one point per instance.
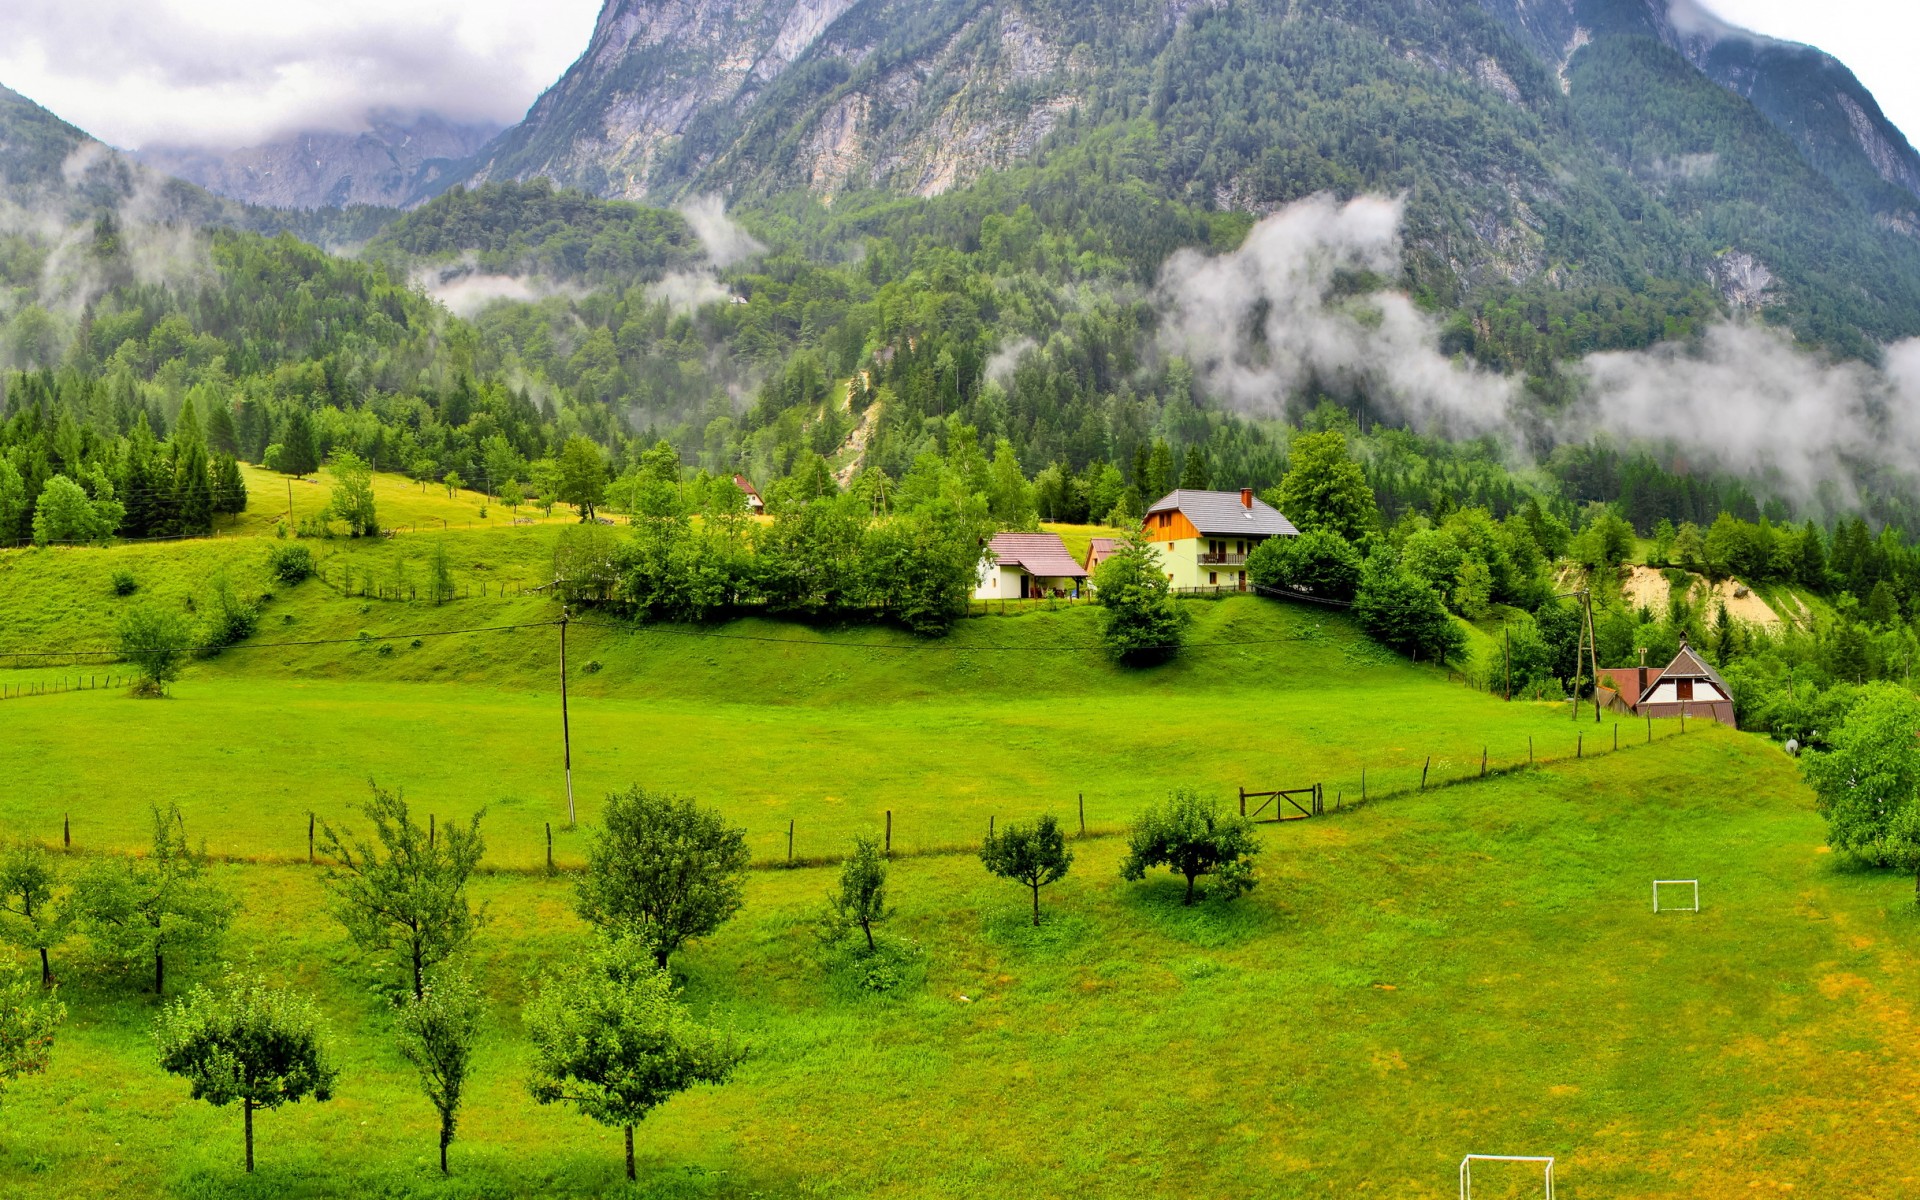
(1647, 587)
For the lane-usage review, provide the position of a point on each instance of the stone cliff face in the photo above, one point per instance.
(387, 164)
(673, 95)
(1807, 94)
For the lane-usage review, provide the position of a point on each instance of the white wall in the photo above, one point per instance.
(1665, 692)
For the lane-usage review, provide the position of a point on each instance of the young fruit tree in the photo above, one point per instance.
(436, 1031)
(1194, 838)
(145, 910)
(29, 1014)
(404, 894)
(1035, 855)
(862, 897)
(611, 1038)
(664, 866)
(247, 1041)
(29, 918)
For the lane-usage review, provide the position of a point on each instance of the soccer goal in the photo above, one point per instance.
(1677, 883)
(1466, 1170)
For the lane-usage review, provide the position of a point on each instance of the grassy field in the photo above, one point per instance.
(1465, 968)
(401, 502)
(1475, 969)
(826, 728)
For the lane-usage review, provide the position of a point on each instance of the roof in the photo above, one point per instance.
(1688, 665)
(746, 485)
(1222, 513)
(1100, 550)
(1041, 554)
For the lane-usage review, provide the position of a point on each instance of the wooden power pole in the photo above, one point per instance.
(566, 733)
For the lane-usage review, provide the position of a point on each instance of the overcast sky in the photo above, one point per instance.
(234, 72)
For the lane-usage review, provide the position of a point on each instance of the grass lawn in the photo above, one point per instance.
(401, 502)
(829, 729)
(1474, 969)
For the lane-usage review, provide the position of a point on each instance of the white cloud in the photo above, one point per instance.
(224, 73)
(725, 240)
(1271, 319)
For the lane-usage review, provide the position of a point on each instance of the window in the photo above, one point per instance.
(1213, 577)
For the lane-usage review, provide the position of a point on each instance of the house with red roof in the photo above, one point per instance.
(1023, 566)
(755, 504)
(1687, 686)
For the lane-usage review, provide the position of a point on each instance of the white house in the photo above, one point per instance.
(1022, 566)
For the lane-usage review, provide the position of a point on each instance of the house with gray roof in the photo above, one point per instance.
(1203, 538)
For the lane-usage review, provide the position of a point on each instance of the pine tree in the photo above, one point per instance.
(299, 448)
(193, 484)
(222, 436)
(229, 489)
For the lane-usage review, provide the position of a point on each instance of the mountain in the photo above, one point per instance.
(1556, 146)
(393, 159)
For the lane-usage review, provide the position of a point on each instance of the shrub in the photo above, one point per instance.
(290, 564)
(124, 584)
(1319, 563)
(229, 618)
(1399, 610)
(1138, 619)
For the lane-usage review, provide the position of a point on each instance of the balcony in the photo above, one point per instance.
(1223, 560)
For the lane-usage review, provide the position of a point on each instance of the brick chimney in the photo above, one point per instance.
(1246, 498)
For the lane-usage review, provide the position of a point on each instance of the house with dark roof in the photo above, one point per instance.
(1686, 687)
(1203, 538)
(1023, 566)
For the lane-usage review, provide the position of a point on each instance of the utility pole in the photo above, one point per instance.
(566, 734)
(289, 504)
(1507, 631)
(1593, 655)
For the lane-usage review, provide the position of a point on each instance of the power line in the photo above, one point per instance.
(355, 640)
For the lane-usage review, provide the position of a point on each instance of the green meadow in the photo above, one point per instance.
(1469, 967)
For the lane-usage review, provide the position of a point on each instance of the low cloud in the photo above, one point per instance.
(1280, 316)
(725, 240)
(465, 289)
(686, 291)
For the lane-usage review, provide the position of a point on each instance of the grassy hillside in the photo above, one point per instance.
(826, 727)
(1475, 969)
(401, 502)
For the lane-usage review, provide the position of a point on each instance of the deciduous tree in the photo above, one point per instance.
(1325, 489)
(247, 1041)
(664, 866)
(29, 1015)
(1033, 854)
(862, 896)
(1194, 838)
(437, 1031)
(352, 499)
(147, 909)
(155, 641)
(404, 893)
(611, 1038)
(29, 917)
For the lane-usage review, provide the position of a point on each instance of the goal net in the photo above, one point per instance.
(1543, 1162)
(1678, 897)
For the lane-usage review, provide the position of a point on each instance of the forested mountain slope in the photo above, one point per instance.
(1560, 146)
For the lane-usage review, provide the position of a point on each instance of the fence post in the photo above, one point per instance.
(430, 830)
(66, 831)
(1616, 735)
(309, 837)
(1483, 762)
(1363, 785)
(1243, 801)
(1083, 814)
(1529, 749)
(1649, 729)
(1580, 746)
(889, 833)
(1423, 773)
(549, 847)
(989, 828)
(789, 841)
